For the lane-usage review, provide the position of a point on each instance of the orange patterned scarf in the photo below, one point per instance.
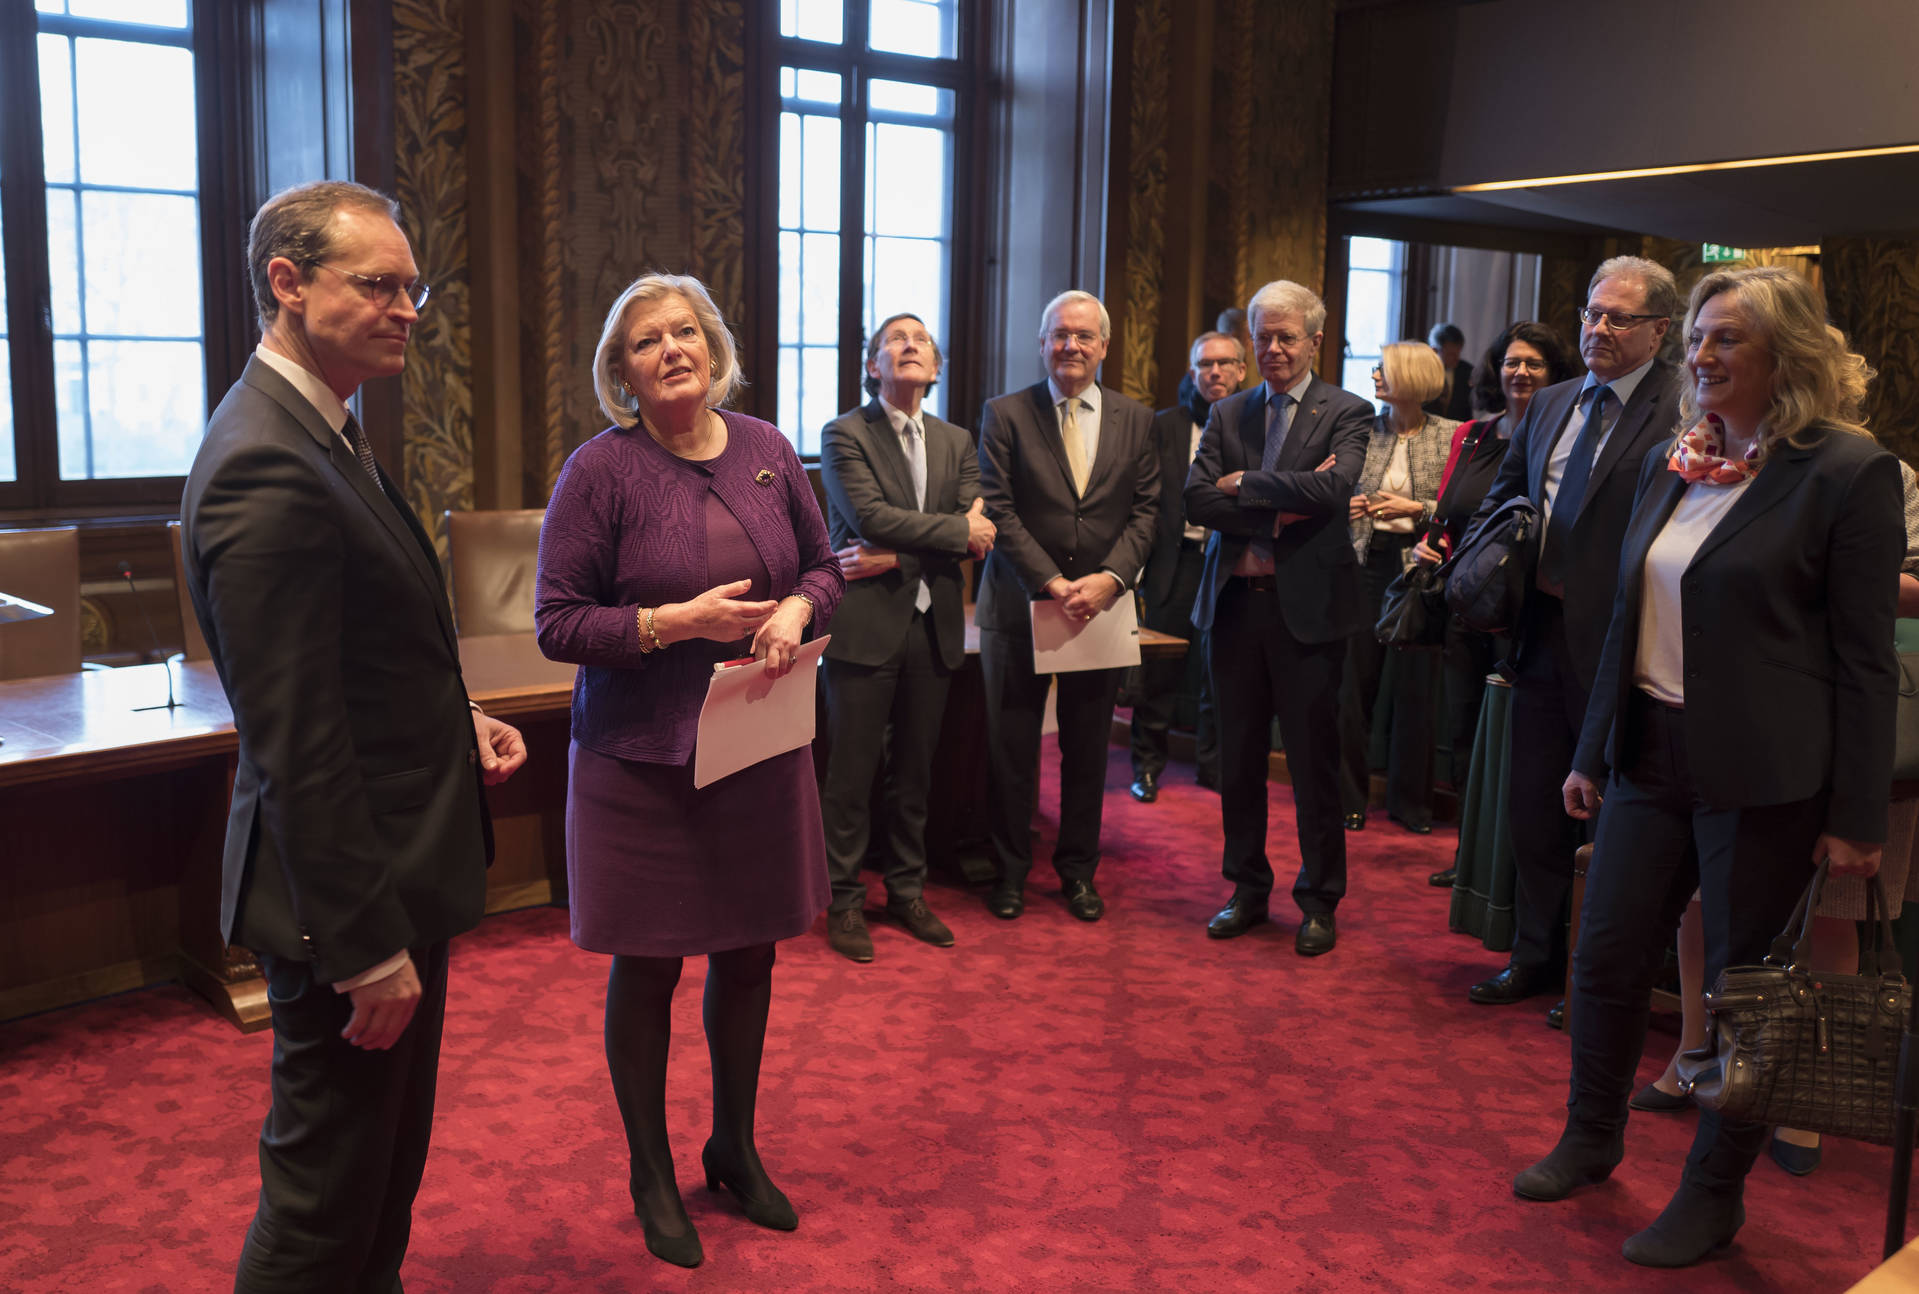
(1699, 455)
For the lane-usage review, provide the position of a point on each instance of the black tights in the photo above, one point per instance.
(639, 1025)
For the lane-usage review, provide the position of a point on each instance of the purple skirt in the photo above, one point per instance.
(658, 869)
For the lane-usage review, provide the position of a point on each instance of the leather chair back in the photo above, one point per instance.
(494, 556)
(196, 642)
(41, 566)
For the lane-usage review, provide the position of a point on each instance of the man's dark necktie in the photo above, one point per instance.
(1572, 492)
(1269, 460)
(361, 449)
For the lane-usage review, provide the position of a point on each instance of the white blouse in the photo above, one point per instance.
(1659, 669)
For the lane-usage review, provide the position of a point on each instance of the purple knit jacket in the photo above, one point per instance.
(626, 528)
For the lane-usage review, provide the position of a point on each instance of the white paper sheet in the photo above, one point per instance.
(749, 717)
(1061, 645)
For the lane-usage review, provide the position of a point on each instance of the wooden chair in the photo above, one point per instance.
(41, 566)
(196, 642)
(494, 556)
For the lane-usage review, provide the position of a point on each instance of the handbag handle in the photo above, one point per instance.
(1792, 945)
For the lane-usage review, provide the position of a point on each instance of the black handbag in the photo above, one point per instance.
(1412, 612)
(1487, 579)
(1801, 1048)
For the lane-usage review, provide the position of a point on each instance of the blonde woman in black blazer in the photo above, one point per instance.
(1744, 704)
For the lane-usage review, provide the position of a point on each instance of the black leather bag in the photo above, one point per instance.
(1803, 1048)
(1413, 612)
(1487, 579)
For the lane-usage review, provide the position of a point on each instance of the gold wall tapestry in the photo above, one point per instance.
(1872, 293)
(1147, 111)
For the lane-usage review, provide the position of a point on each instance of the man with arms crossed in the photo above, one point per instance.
(1071, 478)
(358, 838)
(1279, 595)
(903, 509)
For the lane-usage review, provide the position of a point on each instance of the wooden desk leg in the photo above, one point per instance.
(228, 977)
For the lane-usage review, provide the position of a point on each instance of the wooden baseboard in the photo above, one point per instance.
(509, 898)
(65, 990)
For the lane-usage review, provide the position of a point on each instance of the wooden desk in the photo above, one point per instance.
(112, 820)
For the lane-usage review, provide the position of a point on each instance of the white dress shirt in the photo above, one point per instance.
(1622, 389)
(1659, 666)
(906, 426)
(1254, 561)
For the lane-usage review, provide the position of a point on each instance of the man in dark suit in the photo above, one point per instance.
(1171, 579)
(358, 839)
(903, 509)
(1070, 477)
(1455, 401)
(1576, 454)
(1278, 596)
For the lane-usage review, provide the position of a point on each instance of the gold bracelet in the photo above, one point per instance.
(651, 631)
(812, 607)
(639, 627)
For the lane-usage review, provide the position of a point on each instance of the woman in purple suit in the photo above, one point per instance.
(679, 537)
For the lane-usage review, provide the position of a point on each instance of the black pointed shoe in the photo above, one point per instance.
(1006, 901)
(768, 1208)
(1317, 934)
(1145, 788)
(1082, 900)
(1241, 913)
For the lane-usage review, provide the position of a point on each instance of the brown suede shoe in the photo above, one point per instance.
(846, 932)
(920, 921)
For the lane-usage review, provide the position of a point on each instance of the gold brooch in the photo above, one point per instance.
(765, 476)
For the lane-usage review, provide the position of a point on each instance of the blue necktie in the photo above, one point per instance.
(1572, 492)
(1282, 409)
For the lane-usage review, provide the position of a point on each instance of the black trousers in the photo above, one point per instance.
(344, 1143)
(1409, 760)
(1015, 709)
(1548, 706)
(1165, 685)
(907, 693)
(1262, 673)
(1657, 842)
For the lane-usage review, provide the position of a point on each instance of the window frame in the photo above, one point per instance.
(964, 76)
(1395, 275)
(218, 38)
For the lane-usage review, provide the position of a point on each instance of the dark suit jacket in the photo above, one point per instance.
(1045, 528)
(1787, 610)
(1592, 564)
(1173, 442)
(869, 496)
(1316, 575)
(358, 826)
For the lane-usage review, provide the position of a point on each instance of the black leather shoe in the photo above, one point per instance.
(920, 921)
(1145, 789)
(1443, 880)
(1694, 1225)
(1556, 1016)
(1654, 1101)
(846, 933)
(767, 1206)
(1514, 984)
(1571, 1165)
(1006, 901)
(1082, 900)
(1355, 822)
(1417, 828)
(1207, 775)
(1241, 913)
(1316, 935)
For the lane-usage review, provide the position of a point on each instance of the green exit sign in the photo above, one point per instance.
(1715, 253)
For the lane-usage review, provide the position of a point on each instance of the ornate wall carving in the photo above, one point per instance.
(1149, 107)
(429, 122)
(1872, 292)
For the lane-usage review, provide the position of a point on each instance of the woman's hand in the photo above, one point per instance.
(1387, 506)
(778, 640)
(1426, 555)
(1581, 794)
(1356, 508)
(1849, 857)
(716, 614)
(862, 561)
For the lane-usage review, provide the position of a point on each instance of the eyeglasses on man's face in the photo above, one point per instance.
(1616, 320)
(1228, 362)
(1060, 336)
(381, 289)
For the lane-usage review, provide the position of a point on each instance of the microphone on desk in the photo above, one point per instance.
(166, 662)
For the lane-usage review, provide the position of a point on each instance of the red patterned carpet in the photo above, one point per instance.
(1047, 1106)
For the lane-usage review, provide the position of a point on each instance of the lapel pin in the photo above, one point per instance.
(765, 476)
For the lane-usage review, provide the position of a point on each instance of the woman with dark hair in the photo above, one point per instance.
(683, 535)
(1527, 358)
(1744, 704)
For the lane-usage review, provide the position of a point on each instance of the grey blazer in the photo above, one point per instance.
(1426, 457)
(1046, 528)
(869, 497)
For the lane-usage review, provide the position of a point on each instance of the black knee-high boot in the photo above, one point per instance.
(639, 1024)
(739, 987)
